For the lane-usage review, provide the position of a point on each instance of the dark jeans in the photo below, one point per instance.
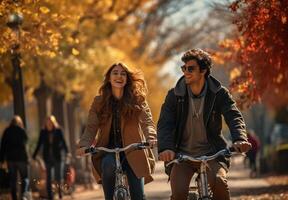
(182, 173)
(22, 168)
(108, 166)
(55, 170)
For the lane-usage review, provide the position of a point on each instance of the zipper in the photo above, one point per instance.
(181, 102)
(210, 111)
(213, 116)
(213, 146)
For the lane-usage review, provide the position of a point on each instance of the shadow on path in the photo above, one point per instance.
(275, 189)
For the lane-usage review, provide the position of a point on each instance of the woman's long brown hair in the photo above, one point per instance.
(133, 97)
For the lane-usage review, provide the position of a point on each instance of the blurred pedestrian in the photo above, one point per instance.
(252, 153)
(52, 141)
(13, 151)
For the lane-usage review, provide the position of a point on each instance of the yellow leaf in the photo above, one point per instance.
(51, 54)
(55, 15)
(234, 73)
(75, 52)
(44, 9)
(2, 50)
(70, 39)
(110, 16)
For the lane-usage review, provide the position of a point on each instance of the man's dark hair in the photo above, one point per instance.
(202, 58)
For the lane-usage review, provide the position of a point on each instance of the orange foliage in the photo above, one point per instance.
(261, 50)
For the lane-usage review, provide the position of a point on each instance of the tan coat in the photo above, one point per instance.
(137, 129)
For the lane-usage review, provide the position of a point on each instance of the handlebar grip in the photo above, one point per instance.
(146, 144)
(232, 149)
(90, 150)
(143, 145)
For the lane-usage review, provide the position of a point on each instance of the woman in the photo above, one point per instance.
(118, 117)
(54, 153)
(13, 150)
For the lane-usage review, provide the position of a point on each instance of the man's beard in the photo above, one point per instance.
(189, 81)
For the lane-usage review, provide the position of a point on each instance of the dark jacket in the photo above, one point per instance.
(13, 145)
(218, 102)
(55, 151)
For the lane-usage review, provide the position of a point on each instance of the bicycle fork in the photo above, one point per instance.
(121, 190)
(202, 182)
(120, 180)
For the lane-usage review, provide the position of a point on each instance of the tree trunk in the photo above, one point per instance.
(58, 108)
(41, 94)
(71, 107)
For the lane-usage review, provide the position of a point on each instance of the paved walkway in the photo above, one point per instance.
(240, 182)
(159, 189)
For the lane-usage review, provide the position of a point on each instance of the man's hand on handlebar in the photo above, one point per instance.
(242, 146)
(166, 155)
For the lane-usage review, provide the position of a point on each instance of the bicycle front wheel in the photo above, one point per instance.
(121, 193)
(193, 196)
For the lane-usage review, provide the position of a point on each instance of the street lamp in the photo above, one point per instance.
(14, 22)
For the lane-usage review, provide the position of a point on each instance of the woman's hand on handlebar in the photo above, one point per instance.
(152, 143)
(80, 151)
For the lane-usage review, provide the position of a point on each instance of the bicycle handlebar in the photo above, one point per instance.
(135, 146)
(181, 157)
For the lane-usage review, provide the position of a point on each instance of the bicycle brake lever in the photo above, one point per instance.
(171, 162)
(146, 144)
(141, 147)
(230, 151)
(180, 158)
(91, 150)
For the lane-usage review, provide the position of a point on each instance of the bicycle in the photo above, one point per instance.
(121, 191)
(201, 191)
(38, 177)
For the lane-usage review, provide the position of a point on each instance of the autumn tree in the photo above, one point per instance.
(38, 36)
(67, 45)
(259, 51)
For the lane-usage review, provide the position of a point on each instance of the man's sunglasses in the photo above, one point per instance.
(190, 69)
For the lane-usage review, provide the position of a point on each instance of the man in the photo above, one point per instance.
(190, 122)
(13, 151)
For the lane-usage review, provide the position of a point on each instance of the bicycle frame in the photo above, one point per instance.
(202, 180)
(121, 191)
(121, 188)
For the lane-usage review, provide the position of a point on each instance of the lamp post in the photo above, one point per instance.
(14, 22)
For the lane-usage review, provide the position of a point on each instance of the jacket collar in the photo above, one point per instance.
(180, 89)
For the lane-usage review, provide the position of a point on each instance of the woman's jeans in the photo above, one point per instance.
(108, 166)
(56, 170)
(13, 168)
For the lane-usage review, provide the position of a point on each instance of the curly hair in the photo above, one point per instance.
(202, 58)
(133, 98)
